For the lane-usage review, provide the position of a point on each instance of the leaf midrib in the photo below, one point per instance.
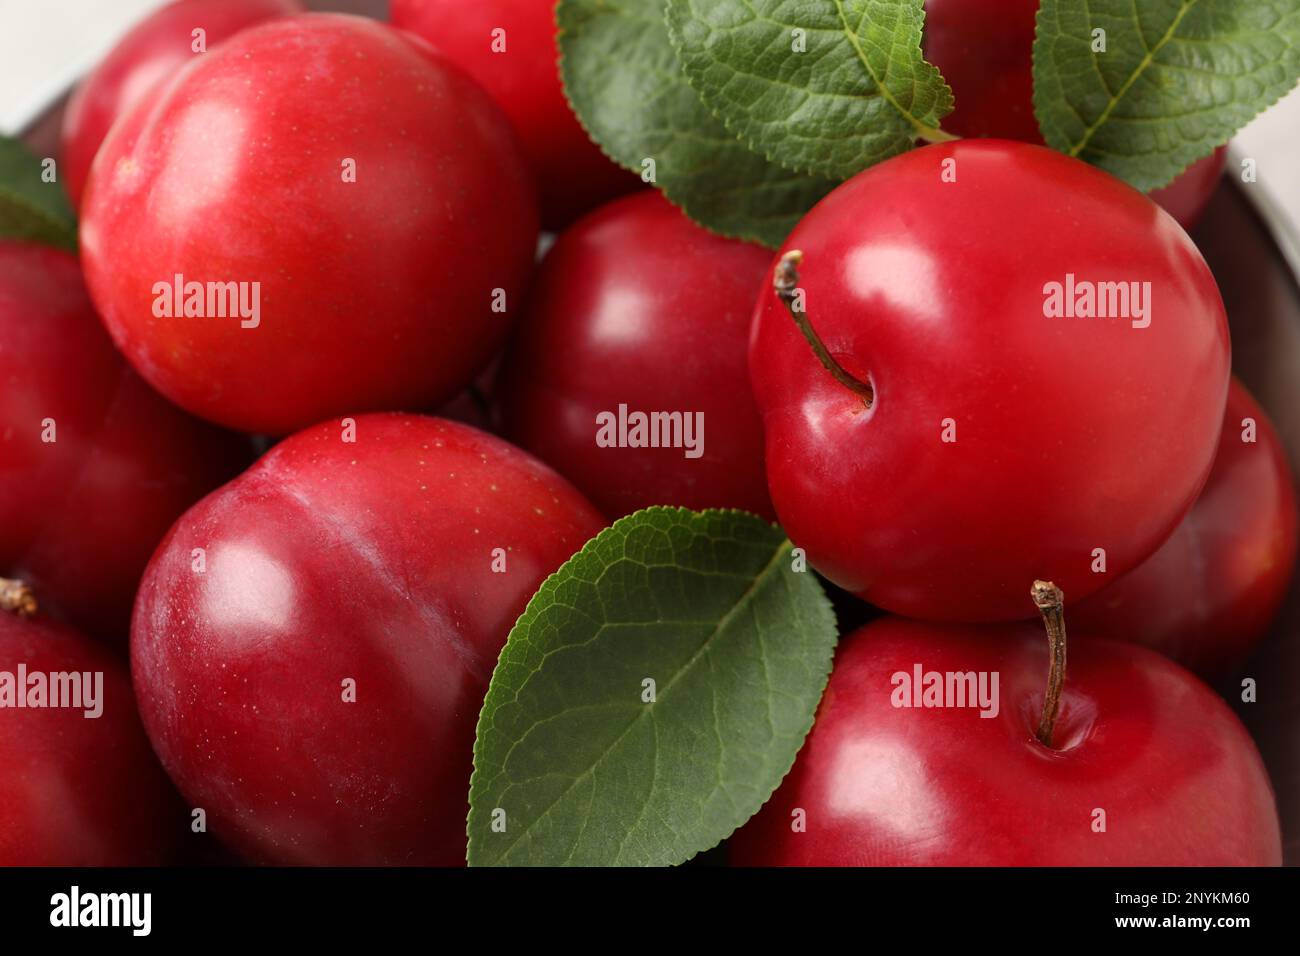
(922, 129)
(1142, 66)
(723, 621)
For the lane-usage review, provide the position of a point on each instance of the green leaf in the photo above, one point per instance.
(29, 208)
(1176, 80)
(850, 90)
(739, 646)
(626, 86)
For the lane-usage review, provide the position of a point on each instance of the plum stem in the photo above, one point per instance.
(1050, 601)
(786, 283)
(17, 598)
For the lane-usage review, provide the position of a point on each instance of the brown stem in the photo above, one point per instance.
(786, 283)
(16, 598)
(1050, 601)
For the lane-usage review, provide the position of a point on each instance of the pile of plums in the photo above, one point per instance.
(318, 239)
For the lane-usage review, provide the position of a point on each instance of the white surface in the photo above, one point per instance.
(46, 44)
(1272, 139)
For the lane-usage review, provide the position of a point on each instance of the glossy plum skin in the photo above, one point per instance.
(984, 49)
(330, 560)
(374, 294)
(572, 174)
(1071, 434)
(636, 304)
(81, 515)
(1209, 594)
(149, 54)
(1177, 775)
(79, 791)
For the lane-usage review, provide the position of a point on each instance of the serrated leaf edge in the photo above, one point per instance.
(1040, 17)
(923, 132)
(825, 606)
